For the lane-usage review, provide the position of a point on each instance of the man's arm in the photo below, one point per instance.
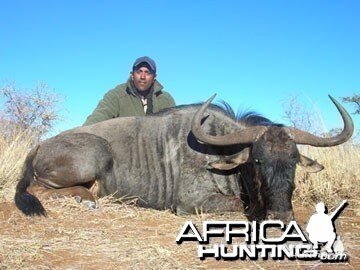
(106, 109)
(168, 101)
(171, 101)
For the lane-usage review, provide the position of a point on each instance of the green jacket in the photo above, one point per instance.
(124, 101)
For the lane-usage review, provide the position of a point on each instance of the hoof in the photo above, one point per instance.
(87, 203)
(90, 204)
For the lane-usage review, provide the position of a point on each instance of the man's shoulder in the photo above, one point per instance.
(118, 91)
(164, 93)
(165, 96)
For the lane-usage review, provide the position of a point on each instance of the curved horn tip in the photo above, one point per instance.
(211, 98)
(331, 97)
(336, 103)
(332, 141)
(334, 100)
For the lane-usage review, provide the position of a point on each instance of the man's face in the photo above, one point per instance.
(143, 78)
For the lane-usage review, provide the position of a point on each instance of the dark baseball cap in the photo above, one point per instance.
(146, 61)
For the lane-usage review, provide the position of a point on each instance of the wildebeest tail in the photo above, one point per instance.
(26, 202)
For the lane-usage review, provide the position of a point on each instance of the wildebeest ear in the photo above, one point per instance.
(230, 162)
(311, 166)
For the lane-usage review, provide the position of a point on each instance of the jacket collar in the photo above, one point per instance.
(130, 88)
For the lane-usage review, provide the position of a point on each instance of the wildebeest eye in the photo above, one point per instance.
(257, 161)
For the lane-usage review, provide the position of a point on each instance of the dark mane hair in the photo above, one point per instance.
(247, 118)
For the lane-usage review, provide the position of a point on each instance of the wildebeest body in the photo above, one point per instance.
(159, 161)
(179, 159)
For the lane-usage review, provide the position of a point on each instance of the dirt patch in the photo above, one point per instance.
(120, 236)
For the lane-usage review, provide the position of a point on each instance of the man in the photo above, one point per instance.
(141, 95)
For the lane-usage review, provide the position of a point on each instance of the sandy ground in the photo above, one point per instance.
(122, 236)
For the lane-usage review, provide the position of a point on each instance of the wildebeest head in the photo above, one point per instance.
(273, 154)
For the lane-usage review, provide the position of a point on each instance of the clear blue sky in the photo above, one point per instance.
(253, 54)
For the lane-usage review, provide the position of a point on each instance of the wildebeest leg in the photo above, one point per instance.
(64, 166)
(67, 164)
(219, 203)
(80, 193)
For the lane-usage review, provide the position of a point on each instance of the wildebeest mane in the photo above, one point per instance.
(245, 117)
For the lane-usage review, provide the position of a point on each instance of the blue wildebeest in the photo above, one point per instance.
(178, 159)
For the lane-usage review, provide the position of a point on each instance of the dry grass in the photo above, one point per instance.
(337, 182)
(122, 236)
(13, 150)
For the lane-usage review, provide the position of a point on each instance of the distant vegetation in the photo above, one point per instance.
(355, 101)
(26, 116)
(32, 111)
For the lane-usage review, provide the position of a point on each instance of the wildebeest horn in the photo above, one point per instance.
(302, 137)
(246, 136)
(250, 134)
